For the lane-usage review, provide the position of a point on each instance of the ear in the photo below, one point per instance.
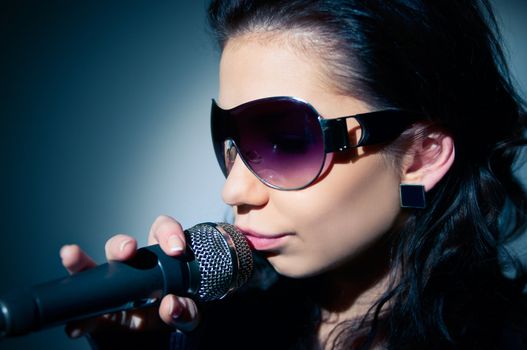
(429, 159)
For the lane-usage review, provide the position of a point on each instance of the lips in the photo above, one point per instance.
(264, 242)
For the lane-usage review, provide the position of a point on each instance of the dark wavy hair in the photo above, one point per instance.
(444, 60)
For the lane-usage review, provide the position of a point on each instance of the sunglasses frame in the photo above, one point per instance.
(377, 127)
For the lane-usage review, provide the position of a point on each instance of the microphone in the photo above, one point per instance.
(217, 261)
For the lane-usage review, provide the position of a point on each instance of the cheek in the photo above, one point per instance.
(339, 217)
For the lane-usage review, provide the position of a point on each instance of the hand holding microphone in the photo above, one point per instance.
(174, 311)
(202, 263)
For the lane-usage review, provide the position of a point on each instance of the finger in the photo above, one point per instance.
(120, 247)
(179, 312)
(76, 329)
(75, 259)
(168, 233)
(142, 319)
(110, 322)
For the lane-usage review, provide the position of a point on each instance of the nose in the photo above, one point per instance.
(242, 188)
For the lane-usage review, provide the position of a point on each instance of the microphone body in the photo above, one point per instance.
(217, 260)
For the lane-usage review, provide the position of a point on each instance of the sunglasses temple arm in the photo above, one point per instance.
(383, 126)
(335, 133)
(376, 128)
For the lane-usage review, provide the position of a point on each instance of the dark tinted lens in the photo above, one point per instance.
(219, 126)
(281, 141)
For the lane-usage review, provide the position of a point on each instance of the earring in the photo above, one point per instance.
(412, 196)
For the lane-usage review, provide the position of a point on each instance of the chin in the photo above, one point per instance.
(294, 268)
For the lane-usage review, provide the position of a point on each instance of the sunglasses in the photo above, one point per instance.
(286, 144)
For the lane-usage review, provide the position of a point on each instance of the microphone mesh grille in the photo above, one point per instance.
(245, 256)
(222, 267)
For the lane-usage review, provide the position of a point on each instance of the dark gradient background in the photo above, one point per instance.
(104, 125)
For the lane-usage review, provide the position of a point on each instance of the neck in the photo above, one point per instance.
(349, 291)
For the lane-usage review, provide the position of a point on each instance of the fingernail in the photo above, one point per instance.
(136, 322)
(177, 310)
(75, 333)
(123, 245)
(63, 250)
(175, 244)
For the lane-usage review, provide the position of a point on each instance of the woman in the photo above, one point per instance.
(387, 228)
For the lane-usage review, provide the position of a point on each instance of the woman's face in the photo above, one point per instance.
(313, 230)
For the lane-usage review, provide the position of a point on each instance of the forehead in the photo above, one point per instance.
(252, 67)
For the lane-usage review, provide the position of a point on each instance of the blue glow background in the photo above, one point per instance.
(104, 125)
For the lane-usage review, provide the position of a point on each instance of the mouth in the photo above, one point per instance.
(263, 241)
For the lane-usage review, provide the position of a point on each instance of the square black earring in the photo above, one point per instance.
(412, 196)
